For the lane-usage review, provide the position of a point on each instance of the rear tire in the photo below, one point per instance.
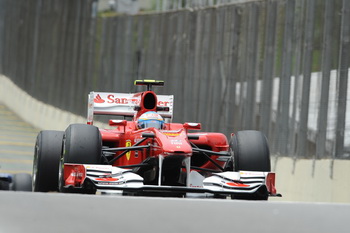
(82, 144)
(22, 182)
(47, 153)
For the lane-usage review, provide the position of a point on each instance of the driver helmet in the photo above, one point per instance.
(150, 119)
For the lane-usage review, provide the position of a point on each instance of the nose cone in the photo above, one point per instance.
(175, 144)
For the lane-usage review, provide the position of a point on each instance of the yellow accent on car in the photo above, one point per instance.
(128, 144)
(149, 81)
(172, 134)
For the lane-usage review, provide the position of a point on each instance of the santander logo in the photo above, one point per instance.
(124, 100)
(98, 100)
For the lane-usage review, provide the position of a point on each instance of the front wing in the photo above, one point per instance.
(109, 178)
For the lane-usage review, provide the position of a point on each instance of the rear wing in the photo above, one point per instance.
(120, 104)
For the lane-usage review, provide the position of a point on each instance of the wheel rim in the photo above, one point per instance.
(60, 176)
(35, 167)
(61, 167)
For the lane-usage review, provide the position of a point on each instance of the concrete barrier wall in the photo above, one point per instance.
(312, 180)
(39, 114)
(297, 180)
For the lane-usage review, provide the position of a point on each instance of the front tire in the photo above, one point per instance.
(250, 151)
(82, 144)
(47, 153)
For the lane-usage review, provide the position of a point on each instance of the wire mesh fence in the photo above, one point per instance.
(279, 66)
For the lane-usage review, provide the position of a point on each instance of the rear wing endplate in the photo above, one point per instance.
(121, 104)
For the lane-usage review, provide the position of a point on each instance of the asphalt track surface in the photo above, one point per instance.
(40, 212)
(55, 212)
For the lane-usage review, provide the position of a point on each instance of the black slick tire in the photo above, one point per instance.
(82, 144)
(47, 153)
(250, 151)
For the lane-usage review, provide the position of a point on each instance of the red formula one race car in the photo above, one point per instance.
(149, 155)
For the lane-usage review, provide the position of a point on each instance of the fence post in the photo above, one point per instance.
(235, 34)
(343, 74)
(250, 67)
(268, 67)
(189, 64)
(285, 80)
(217, 80)
(32, 71)
(205, 70)
(326, 71)
(298, 34)
(307, 64)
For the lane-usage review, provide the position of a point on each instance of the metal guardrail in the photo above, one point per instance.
(221, 63)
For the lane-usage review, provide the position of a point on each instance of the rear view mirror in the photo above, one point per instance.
(192, 126)
(117, 122)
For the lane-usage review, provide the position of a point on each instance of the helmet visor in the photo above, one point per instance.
(151, 123)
